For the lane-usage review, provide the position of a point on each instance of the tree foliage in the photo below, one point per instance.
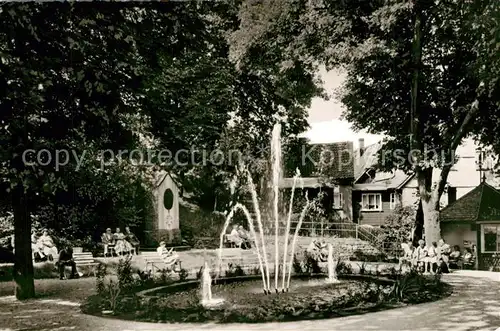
(121, 77)
(422, 72)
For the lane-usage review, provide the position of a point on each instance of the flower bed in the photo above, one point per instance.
(244, 301)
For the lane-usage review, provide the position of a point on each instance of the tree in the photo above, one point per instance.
(412, 73)
(65, 71)
(87, 79)
(398, 227)
(74, 78)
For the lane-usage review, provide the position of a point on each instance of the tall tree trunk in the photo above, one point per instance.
(419, 224)
(432, 230)
(429, 196)
(23, 265)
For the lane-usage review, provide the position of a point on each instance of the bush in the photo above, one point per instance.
(359, 255)
(124, 273)
(197, 223)
(398, 228)
(234, 271)
(183, 275)
(343, 268)
(297, 264)
(242, 306)
(100, 278)
(312, 265)
(414, 287)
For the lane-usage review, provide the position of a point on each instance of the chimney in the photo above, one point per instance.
(361, 146)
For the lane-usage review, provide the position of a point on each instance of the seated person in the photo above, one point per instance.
(108, 240)
(170, 257)
(444, 252)
(47, 246)
(132, 239)
(407, 253)
(455, 256)
(243, 234)
(234, 236)
(122, 246)
(36, 249)
(66, 259)
(468, 261)
(420, 256)
(432, 257)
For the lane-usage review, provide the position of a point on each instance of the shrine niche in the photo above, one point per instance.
(166, 193)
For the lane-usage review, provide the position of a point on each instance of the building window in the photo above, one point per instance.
(338, 200)
(491, 238)
(393, 200)
(371, 201)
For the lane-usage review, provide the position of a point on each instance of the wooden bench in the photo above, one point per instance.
(156, 263)
(238, 256)
(228, 243)
(86, 260)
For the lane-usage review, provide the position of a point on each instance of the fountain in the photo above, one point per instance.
(235, 293)
(332, 274)
(206, 289)
(260, 243)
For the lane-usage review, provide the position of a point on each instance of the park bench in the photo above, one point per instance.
(86, 260)
(228, 243)
(237, 256)
(156, 263)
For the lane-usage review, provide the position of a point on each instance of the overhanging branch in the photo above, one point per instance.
(455, 141)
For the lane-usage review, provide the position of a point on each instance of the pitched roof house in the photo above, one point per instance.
(474, 219)
(377, 193)
(335, 179)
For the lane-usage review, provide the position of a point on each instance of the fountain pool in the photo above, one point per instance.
(309, 297)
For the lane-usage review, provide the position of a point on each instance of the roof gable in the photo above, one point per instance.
(480, 204)
(383, 181)
(367, 160)
(161, 176)
(489, 209)
(338, 157)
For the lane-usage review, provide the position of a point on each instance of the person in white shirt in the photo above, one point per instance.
(170, 257)
(46, 244)
(234, 236)
(407, 254)
(444, 251)
(420, 255)
(243, 234)
(432, 257)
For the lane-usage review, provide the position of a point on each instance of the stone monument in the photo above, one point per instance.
(166, 201)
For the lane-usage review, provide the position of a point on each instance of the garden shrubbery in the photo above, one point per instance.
(244, 301)
(197, 224)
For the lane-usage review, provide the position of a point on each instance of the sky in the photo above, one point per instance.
(324, 116)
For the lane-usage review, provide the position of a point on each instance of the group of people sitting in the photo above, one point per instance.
(437, 258)
(239, 237)
(120, 243)
(43, 247)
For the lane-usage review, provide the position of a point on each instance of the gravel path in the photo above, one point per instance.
(474, 305)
